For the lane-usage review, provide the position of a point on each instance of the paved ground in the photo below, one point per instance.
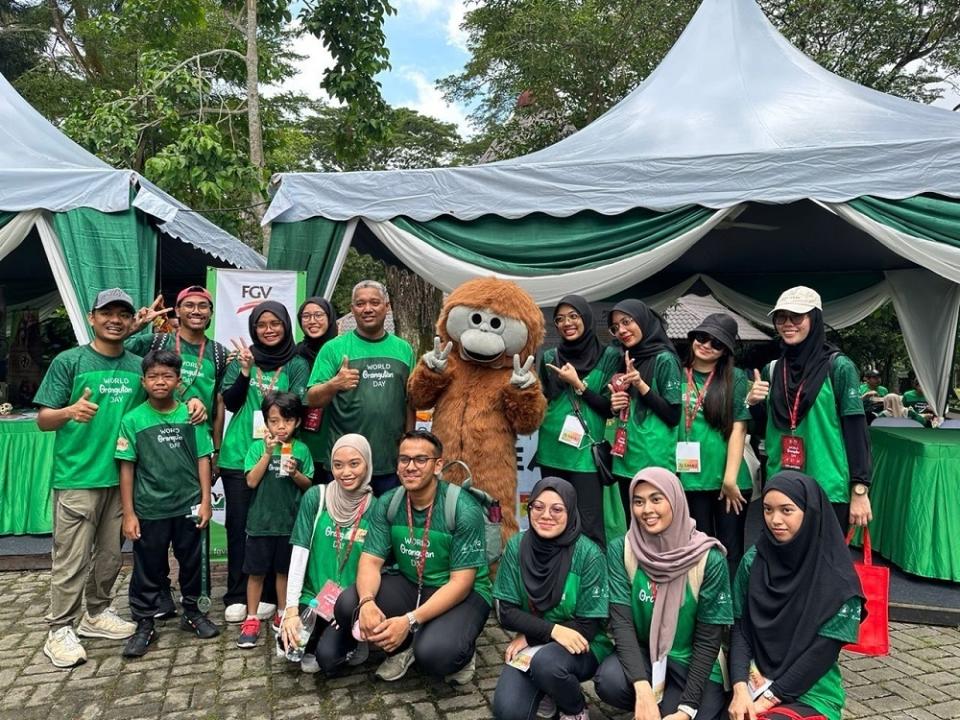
(182, 677)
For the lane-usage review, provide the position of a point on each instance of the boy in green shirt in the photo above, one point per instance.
(279, 469)
(164, 473)
(84, 394)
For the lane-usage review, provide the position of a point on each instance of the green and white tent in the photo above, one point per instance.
(71, 225)
(739, 163)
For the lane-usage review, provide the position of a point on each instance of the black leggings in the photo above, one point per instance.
(149, 585)
(237, 496)
(589, 500)
(712, 518)
(330, 643)
(554, 672)
(615, 689)
(442, 646)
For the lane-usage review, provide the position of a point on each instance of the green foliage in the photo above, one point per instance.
(21, 37)
(876, 342)
(357, 267)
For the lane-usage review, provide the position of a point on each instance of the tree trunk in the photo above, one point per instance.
(416, 306)
(254, 127)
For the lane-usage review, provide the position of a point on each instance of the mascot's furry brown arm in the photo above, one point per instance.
(478, 381)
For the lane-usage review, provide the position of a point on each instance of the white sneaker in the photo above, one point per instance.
(266, 611)
(309, 664)
(395, 666)
(235, 613)
(582, 715)
(64, 648)
(359, 655)
(547, 709)
(106, 625)
(464, 674)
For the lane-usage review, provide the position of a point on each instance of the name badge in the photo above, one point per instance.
(259, 425)
(572, 431)
(327, 598)
(688, 457)
(793, 456)
(659, 679)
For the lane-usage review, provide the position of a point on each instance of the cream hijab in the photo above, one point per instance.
(343, 505)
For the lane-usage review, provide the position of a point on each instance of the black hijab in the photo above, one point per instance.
(270, 358)
(796, 586)
(309, 347)
(545, 564)
(583, 353)
(807, 362)
(655, 340)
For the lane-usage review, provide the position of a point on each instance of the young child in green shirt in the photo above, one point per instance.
(279, 469)
(164, 475)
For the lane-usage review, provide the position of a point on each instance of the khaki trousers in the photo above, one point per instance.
(87, 536)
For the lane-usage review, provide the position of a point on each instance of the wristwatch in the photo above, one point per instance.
(412, 619)
(768, 695)
(859, 489)
(688, 710)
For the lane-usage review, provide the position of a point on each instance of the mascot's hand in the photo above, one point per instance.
(436, 359)
(522, 378)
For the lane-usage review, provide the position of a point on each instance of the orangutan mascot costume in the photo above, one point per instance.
(479, 382)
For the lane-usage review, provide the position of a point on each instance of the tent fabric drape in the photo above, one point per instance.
(14, 228)
(924, 216)
(595, 283)
(313, 246)
(539, 244)
(97, 248)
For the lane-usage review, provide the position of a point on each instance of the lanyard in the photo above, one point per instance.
(689, 415)
(184, 386)
(342, 562)
(792, 410)
(273, 381)
(424, 541)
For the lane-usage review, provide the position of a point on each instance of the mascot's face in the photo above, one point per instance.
(485, 336)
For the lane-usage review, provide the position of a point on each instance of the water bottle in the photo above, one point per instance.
(308, 620)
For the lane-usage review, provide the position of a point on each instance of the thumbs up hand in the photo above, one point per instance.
(347, 378)
(82, 411)
(758, 390)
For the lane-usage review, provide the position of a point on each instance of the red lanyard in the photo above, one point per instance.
(353, 536)
(184, 386)
(792, 410)
(424, 541)
(692, 386)
(272, 381)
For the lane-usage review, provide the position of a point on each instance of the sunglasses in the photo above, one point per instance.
(705, 339)
(780, 317)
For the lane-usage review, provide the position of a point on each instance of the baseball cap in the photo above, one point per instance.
(798, 299)
(113, 295)
(194, 290)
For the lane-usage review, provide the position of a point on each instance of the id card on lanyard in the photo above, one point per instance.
(688, 452)
(327, 597)
(259, 423)
(793, 455)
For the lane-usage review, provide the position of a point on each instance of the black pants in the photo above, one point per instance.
(381, 483)
(554, 672)
(589, 500)
(624, 485)
(330, 643)
(842, 511)
(712, 518)
(149, 583)
(615, 689)
(442, 646)
(238, 497)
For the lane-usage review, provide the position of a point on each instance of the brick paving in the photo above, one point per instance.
(182, 677)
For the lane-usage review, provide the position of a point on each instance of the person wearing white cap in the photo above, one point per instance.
(809, 401)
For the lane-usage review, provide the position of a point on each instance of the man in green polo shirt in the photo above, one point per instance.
(432, 611)
(360, 379)
(83, 397)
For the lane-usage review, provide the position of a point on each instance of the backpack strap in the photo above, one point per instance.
(450, 506)
(322, 492)
(696, 573)
(629, 561)
(219, 362)
(394, 505)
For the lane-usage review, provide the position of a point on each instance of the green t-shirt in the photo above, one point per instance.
(585, 590)
(292, 377)
(377, 407)
(713, 605)
(915, 401)
(650, 441)
(448, 549)
(201, 382)
(273, 508)
(826, 455)
(166, 449)
(713, 447)
(550, 451)
(826, 696)
(83, 452)
(327, 559)
(880, 390)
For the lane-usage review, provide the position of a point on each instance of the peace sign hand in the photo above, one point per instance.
(146, 315)
(243, 355)
(522, 378)
(436, 359)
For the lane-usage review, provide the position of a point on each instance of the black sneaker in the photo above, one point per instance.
(137, 643)
(200, 625)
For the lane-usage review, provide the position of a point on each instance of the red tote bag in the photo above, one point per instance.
(874, 638)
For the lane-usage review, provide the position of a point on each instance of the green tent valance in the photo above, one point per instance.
(930, 217)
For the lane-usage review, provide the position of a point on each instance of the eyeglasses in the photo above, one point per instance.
(418, 460)
(780, 317)
(626, 322)
(539, 508)
(314, 316)
(704, 339)
(272, 325)
(569, 317)
(192, 306)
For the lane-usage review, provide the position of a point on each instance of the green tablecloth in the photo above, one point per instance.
(26, 466)
(916, 500)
